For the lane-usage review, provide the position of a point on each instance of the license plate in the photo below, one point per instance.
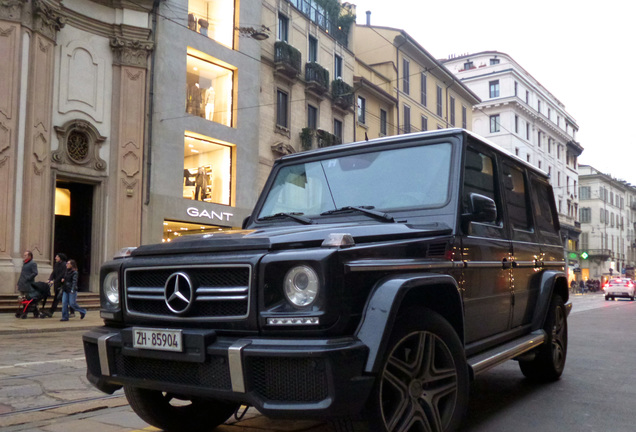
(158, 339)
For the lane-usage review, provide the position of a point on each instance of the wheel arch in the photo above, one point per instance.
(391, 296)
(552, 282)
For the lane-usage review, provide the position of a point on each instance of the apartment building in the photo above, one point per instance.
(306, 80)
(426, 94)
(521, 115)
(608, 223)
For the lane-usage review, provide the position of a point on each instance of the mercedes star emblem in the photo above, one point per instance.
(179, 293)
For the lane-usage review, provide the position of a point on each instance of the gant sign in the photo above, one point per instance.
(212, 215)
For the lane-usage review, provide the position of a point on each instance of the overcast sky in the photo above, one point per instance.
(580, 52)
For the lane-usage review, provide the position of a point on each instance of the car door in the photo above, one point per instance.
(486, 250)
(525, 248)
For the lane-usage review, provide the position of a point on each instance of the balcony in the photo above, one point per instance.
(599, 254)
(287, 60)
(317, 78)
(342, 94)
(307, 136)
(326, 139)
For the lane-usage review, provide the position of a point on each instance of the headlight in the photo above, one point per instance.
(301, 286)
(111, 289)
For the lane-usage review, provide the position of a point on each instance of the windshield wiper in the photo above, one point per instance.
(385, 217)
(295, 216)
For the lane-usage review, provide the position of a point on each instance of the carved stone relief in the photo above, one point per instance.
(131, 52)
(82, 80)
(79, 145)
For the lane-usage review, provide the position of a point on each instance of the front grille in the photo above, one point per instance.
(214, 374)
(293, 379)
(220, 292)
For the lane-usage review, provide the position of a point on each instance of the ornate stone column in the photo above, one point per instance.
(10, 48)
(36, 191)
(129, 113)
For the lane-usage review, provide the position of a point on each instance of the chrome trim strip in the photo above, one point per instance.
(102, 349)
(235, 361)
(553, 263)
(487, 264)
(384, 265)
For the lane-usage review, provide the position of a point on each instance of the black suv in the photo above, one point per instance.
(372, 282)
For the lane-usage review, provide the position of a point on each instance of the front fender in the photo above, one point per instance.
(381, 309)
(551, 282)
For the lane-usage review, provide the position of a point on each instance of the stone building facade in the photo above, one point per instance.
(72, 131)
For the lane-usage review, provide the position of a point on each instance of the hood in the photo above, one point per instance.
(289, 237)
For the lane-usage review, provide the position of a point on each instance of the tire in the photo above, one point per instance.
(606, 298)
(157, 409)
(550, 358)
(423, 383)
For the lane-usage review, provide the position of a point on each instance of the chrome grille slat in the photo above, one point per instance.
(220, 292)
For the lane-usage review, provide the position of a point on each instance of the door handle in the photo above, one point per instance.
(505, 264)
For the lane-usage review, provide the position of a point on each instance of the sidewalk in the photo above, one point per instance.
(9, 324)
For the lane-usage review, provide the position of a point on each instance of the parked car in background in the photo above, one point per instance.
(619, 287)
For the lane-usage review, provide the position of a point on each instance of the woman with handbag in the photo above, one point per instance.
(69, 294)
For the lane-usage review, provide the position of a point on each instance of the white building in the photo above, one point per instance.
(522, 116)
(608, 214)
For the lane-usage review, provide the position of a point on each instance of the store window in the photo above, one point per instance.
(173, 229)
(209, 90)
(213, 18)
(207, 170)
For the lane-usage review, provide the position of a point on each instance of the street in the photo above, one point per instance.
(44, 386)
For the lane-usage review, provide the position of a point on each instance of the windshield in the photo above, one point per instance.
(386, 180)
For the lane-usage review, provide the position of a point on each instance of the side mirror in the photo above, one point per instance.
(244, 224)
(482, 209)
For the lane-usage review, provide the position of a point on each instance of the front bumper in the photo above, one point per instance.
(285, 378)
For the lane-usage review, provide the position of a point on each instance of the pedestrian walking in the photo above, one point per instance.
(27, 275)
(69, 291)
(59, 270)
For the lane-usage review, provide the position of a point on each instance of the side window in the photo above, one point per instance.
(516, 198)
(545, 208)
(479, 177)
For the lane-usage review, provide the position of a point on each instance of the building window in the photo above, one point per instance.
(527, 97)
(405, 76)
(452, 111)
(207, 170)
(209, 90)
(585, 192)
(494, 123)
(494, 89)
(528, 131)
(516, 151)
(383, 121)
(516, 124)
(516, 88)
(494, 61)
(407, 119)
(213, 19)
(539, 106)
(464, 117)
(337, 66)
(539, 139)
(468, 65)
(337, 129)
(282, 109)
(549, 145)
(312, 117)
(586, 214)
(312, 52)
(362, 110)
(439, 101)
(423, 85)
(283, 28)
(424, 123)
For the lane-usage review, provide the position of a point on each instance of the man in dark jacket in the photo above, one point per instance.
(27, 275)
(59, 270)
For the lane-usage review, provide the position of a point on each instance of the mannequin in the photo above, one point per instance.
(208, 101)
(194, 100)
(203, 26)
(201, 183)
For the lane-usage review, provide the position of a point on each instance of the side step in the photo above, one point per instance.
(489, 359)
